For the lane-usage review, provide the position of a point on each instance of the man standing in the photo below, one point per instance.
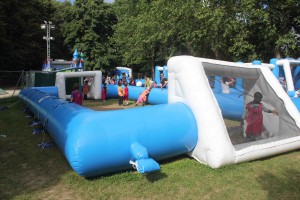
(163, 81)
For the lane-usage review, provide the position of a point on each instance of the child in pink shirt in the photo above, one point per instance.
(143, 97)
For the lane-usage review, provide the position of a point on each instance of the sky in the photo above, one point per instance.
(107, 1)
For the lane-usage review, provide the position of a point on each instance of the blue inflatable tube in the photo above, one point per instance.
(232, 105)
(51, 90)
(100, 142)
(156, 96)
(296, 101)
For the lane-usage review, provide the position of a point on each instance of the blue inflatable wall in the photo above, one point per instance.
(103, 142)
(156, 96)
(231, 105)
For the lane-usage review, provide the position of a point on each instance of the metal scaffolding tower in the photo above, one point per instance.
(48, 26)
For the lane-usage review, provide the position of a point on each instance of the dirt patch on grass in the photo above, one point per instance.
(112, 107)
(110, 104)
(9, 93)
(58, 191)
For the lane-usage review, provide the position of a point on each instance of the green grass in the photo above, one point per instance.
(29, 172)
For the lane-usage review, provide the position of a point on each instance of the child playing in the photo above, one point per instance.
(154, 84)
(226, 83)
(143, 97)
(126, 94)
(104, 92)
(85, 88)
(76, 95)
(254, 117)
(120, 93)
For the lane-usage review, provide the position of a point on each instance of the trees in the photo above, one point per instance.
(88, 26)
(285, 17)
(146, 33)
(134, 32)
(149, 32)
(253, 37)
(21, 35)
(231, 30)
(60, 49)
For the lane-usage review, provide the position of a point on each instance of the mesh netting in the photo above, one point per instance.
(260, 115)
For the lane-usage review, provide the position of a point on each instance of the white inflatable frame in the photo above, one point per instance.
(95, 88)
(188, 83)
(126, 68)
(287, 64)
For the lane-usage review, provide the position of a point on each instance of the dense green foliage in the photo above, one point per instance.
(89, 27)
(145, 33)
(20, 33)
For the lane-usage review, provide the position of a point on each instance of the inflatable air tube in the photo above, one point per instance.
(231, 105)
(156, 96)
(51, 90)
(98, 142)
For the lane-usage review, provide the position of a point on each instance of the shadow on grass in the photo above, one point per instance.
(155, 176)
(283, 186)
(151, 177)
(176, 158)
(25, 167)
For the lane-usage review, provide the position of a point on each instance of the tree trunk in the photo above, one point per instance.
(153, 63)
(277, 53)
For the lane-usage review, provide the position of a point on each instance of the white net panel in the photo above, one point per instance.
(234, 88)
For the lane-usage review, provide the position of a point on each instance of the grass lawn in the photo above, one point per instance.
(29, 172)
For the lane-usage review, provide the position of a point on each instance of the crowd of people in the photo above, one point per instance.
(123, 91)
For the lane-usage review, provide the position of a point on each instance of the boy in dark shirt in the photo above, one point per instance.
(163, 81)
